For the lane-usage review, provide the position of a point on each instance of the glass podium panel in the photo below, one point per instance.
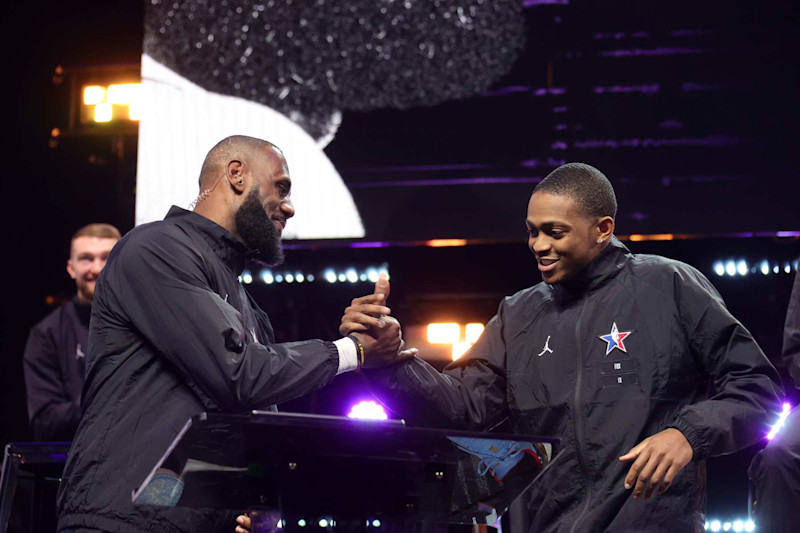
(284, 467)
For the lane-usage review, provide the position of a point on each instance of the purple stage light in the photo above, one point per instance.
(787, 408)
(368, 410)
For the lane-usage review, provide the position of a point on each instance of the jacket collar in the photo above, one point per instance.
(228, 248)
(596, 274)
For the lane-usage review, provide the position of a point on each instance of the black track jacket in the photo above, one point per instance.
(599, 399)
(173, 334)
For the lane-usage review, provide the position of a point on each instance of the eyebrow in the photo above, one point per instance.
(548, 224)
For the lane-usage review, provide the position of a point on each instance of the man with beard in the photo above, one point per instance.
(174, 334)
(54, 359)
(631, 359)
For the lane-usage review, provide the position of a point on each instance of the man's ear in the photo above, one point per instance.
(70, 270)
(605, 228)
(234, 173)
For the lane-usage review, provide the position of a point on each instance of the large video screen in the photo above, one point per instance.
(407, 120)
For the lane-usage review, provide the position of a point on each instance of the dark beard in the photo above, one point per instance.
(258, 232)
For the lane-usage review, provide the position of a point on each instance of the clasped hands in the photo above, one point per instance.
(368, 319)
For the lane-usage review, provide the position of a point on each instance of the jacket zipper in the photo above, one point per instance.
(578, 422)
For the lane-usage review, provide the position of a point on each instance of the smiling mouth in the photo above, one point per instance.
(546, 264)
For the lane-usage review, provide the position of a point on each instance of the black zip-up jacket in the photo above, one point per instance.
(543, 362)
(54, 364)
(173, 333)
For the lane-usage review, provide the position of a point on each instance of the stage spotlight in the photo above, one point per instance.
(376, 523)
(764, 267)
(787, 268)
(103, 112)
(738, 525)
(266, 277)
(247, 278)
(741, 268)
(715, 525)
(289, 278)
(134, 111)
(342, 277)
(301, 523)
(749, 526)
(323, 523)
(372, 274)
(299, 277)
(93, 95)
(368, 410)
(719, 268)
(460, 348)
(787, 408)
(330, 276)
(279, 278)
(726, 526)
(362, 276)
(473, 332)
(730, 269)
(123, 93)
(776, 269)
(310, 278)
(443, 333)
(352, 275)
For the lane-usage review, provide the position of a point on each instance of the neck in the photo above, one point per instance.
(221, 215)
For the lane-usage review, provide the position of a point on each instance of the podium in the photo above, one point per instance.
(296, 472)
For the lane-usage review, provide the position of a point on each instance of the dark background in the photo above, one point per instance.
(689, 108)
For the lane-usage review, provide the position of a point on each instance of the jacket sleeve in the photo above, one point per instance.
(469, 394)
(53, 416)
(161, 284)
(791, 333)
(745, 386)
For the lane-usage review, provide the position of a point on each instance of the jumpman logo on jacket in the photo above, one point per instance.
(546, 347)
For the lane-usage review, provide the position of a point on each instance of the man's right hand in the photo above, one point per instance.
(384, 346)
(379, 334)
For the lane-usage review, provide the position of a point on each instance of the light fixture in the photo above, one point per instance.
(460, 348)
(473, 332)
(444, 333)
(93, 95)
(368, 410)
(787, 408)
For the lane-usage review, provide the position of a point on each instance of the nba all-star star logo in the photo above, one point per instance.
(615, 339)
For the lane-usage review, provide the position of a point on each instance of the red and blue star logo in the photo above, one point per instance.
(615, 339)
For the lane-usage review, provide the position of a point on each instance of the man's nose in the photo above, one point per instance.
(97, 265)
(287, 208)
(541, 245)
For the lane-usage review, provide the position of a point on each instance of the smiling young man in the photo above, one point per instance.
(614, 353)
(174, 334)
(54, 359)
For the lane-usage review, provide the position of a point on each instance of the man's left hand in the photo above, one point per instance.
(657, 460)
(243, 524)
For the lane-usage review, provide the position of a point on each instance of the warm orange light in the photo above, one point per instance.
(134, 111)
(93, 95)
(103, 112)
(441, 243)
(653, 237)
(123, 93)
(460, 348)
(443, 333)
(473, 332)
